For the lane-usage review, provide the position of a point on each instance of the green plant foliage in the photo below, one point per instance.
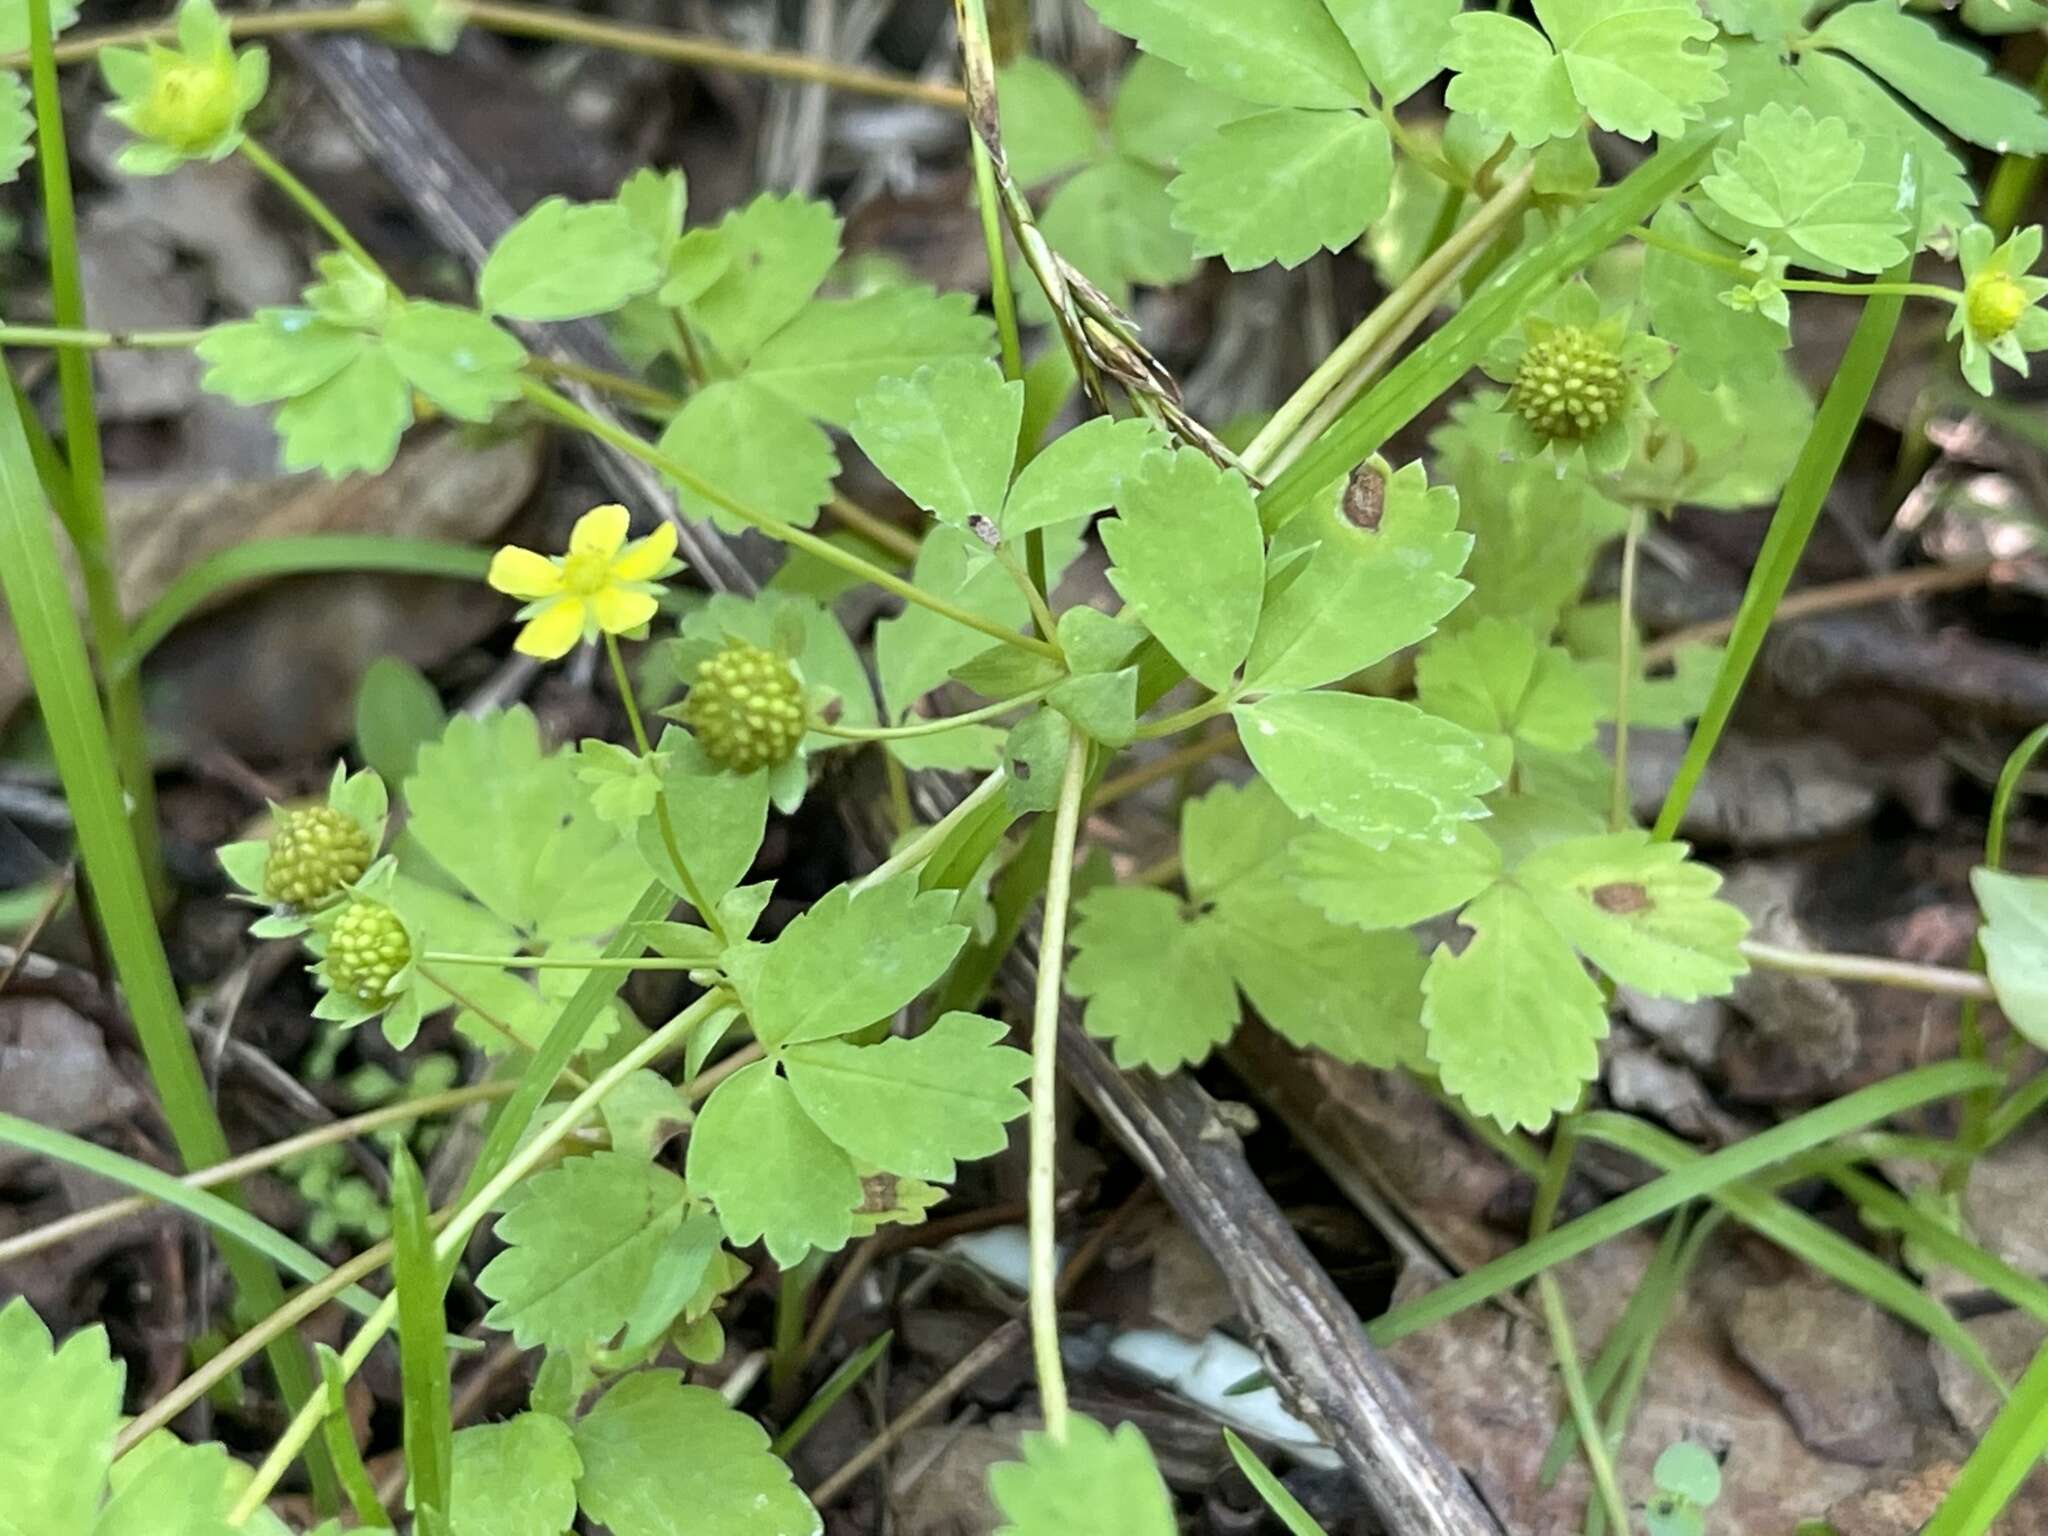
(1498, 682)
(1794, 176)
(1943, 79)
(1280, 186)
(2015, 940)
(1094, 1480)
(565, 260)
(183, 103)
(517, 1478)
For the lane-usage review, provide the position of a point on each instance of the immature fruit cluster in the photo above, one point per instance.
(746, 708)
(366, 949)
(314, 854)
(1995, 302)
(1569, 385)
(190, 104)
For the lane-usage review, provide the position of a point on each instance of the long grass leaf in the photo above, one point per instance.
(421, 1285)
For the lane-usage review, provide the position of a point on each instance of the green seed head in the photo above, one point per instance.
(190, 104)
(747, 708)
(314, 853)
(366, 949)
(1995, 302)
(1569, 386)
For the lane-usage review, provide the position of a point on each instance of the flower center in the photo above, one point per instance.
(1995, 303)
(190, 105)
(586, 573)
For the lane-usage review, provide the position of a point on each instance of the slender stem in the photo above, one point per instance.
(692, 892)
(1941, 981)
(97, 341)
(78, 1223)
(1618, 809)
(1194, 714)
(877, 531)
(928, 842)
(1165, 766)
(619, 384)
(558, 963)
(309, 203)
(1418, 291)
(1894, 289)
(1045, 1053)
(84, 510)
(933, 727)
(567, 410)
(464, 1222)
(2012, 184)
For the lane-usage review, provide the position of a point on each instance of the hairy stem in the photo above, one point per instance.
(1939, 980)
(1045, 1055)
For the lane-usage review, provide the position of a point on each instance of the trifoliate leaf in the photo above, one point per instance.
(914, 1107)
(1641, 911)
(1408, 881)
(1159, 112)
(2015, 940)
(1114, 221)
(1947, 81)
(1373, 769)
(1513, 1022)
(517, 1478)
(775, 252)
(1716, 344)
(1048, 126)
(771, 1173)
(1156, 987)
(1890, 133)
(1496, 681)
(1079, 473)
(663, 1459)
(1282, 186)
(455, 357)
(1188, 557)
(1629, 63)
(1279, 53)
(352, 422)
(946, 436)
(837, 350)
(1798, 176)
(580, 1248)
(276, 355)
(1401, 43)
(564, 260)
(1365, 591)
(59, 1408)
(1092, 1481)
(1351, 994)
(755, 447)
(515, 828)
(852, 959)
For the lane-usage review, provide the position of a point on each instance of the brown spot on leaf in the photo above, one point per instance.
(1621, 897)
(1365, 498)
(878, 1193)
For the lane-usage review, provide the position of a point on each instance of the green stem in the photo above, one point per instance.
(1827, 443)
(309, 203)
(1045, 1053)
(933, 837)
(1418, 291)
(2012, 184)
(97, 341)
(932, 727)
(692, 892)
(1940, 980)
(1619, 808)
(568, 411)
(84, 508)
(1193, 715)
(456, 1234)
(557, 962)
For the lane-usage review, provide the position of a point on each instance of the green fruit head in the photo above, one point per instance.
(1569, 386)
(746, 708)
(366, 949)
(314, 855)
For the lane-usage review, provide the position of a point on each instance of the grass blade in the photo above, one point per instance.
(53, 651)
(1285, 1506)
(299, 556)
(341, 1446)
(1697, 1180)
(1438, 364)
(222, 1215)
(836, 1386)
(1799, 507)
(422, 1348)
(2016, 1440)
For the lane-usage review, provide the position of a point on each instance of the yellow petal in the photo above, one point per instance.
(619, 610)
(523, 574)
(553, 632)
(641, 559)
(600, 531)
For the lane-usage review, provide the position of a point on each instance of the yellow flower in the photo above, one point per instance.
(602, 586)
